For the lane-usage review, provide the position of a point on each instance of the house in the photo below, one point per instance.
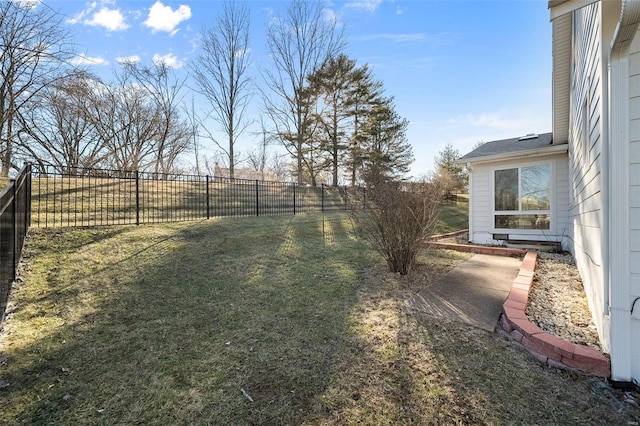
(244, 174)
(519, 190)
(579, 185)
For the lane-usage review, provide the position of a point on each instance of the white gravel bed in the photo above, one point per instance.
(557, 301)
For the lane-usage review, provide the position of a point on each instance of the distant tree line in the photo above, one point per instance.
(330, 114)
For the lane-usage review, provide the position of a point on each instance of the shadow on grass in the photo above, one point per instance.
(170, 324)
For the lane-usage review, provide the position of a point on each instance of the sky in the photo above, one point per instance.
(460, 71)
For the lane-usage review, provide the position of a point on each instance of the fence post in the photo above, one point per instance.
(257, 200)
(322, 196)
(208, 202)
(137, 198)
(293, 185)
(345, 199)
(27, 207)
(14, 231)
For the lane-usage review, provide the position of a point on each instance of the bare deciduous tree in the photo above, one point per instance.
(56, 129)
(34, 49)
(221, 75)
(278, 166)
(299, 43)
(258, 158)
(137, 119)
(124, 117)
(163, 89)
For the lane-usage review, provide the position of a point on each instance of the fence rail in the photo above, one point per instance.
(91, 197)
(15, 214)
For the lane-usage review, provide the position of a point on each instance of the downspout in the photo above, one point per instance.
(616, 206)
(604, 232)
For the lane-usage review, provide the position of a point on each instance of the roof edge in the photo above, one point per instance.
(537, 152)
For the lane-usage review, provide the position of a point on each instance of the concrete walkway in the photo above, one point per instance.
(473, 292)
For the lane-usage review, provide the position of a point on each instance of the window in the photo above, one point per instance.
(521, 197)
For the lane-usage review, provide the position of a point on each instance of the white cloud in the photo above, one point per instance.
(169, 60)
(111, 19)
(395, 37)
(491, 120)
(494, 126)
(195, 44)
(269, 11)
(89, 60)
(436, 39)
(330, 15)
(242, 52)
(128, 59)
(163, 18)
(80, 16)
(366, 5)
(28, 4)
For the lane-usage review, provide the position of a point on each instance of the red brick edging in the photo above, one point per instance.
(433, 242)
(499, 251)
(447, 235)
(545, 347)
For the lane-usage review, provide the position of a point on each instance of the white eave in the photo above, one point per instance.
(562, 28)
(560, 8)
(516, 155)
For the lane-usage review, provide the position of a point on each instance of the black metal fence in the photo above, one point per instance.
(15, 214)
(90, 197)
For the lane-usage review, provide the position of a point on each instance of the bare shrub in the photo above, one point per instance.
(395, 218)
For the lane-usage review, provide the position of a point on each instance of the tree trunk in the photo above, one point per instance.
(6, 160)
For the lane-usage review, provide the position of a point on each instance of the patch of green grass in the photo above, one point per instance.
(168, 324)
(453, 217)
(165, 324)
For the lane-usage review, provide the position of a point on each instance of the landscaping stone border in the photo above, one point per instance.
(545, 347)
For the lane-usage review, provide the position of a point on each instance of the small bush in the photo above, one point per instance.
(395, 218)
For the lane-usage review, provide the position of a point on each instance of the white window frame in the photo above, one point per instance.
(552, 199)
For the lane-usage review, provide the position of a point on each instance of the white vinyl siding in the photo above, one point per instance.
(634, 201)
(585, 139)
(480, 207)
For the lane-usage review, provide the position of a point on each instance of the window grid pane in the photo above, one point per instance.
(523, 221)
(506, 190)
(525, 189)
(535, 187)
